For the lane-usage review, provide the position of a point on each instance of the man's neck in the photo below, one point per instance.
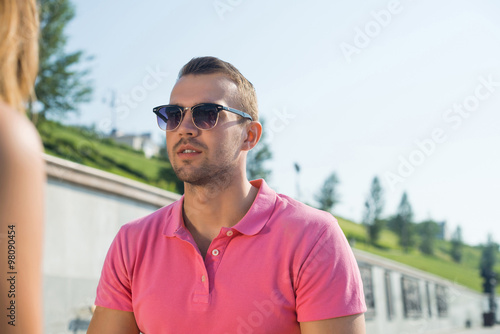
(207, 209)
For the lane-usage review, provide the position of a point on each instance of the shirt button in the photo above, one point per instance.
(215, 252)
(229, 233)
(203, 278)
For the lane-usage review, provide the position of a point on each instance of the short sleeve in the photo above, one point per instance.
(114, 288)
(329, 283)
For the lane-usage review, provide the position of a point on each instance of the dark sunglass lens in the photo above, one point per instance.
(171, 117)
(161, 118)
(205, 116)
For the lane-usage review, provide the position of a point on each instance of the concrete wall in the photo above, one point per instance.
(84, 210)
(462, 304)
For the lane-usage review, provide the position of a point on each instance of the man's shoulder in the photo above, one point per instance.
(294, 213)
(152, 223)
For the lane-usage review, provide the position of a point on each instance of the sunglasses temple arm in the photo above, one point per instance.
(163, 118)
(238, 112)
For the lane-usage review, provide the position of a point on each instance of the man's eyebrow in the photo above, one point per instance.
(183, 106)
(175, 104)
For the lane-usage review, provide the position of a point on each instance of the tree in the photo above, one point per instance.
(402, 224)
(166, 174)
(488, 260)
(257, 157)
(457, 245)
(427, 231)
(62, 84)
(328, 196)
(374, 206)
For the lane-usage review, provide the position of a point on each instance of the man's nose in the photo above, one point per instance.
(187, 126)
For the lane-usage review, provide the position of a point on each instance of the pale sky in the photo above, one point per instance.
(406, 90)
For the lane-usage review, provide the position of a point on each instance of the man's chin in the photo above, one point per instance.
(203, 176)
(191, 177)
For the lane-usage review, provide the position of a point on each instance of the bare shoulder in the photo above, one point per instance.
(354, 324)
(22, 178)
(111, 321)
(20, 143)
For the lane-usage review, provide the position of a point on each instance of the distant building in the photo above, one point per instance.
(141, 142)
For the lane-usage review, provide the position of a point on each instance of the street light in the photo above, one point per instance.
(297, 180)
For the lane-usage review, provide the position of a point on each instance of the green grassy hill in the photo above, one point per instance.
(441, 264)
(86, 147)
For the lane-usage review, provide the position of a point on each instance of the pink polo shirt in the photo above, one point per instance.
(282, 264)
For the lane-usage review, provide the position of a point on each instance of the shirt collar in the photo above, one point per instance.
(252, 223)
(173, 220)
(260, 212)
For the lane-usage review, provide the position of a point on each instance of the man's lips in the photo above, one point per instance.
(188, 149)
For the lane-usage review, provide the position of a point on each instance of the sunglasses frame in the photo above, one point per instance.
(183, 110)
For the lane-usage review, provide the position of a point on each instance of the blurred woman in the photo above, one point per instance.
(22, 174)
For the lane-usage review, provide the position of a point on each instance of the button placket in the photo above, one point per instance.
(213, 260)
(201, 292)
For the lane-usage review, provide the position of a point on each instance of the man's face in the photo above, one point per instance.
(203, 157)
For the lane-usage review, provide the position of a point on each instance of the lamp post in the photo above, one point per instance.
(490, 282)
(297, 180)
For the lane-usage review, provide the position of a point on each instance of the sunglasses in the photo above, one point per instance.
(204, 115)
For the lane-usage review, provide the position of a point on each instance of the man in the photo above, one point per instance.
(231, 256)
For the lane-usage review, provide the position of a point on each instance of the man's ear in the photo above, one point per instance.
(253, 131)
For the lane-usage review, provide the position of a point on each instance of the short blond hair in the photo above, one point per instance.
(19, 24)
(209, 65)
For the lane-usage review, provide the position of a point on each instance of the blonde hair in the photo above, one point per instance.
(19, 25)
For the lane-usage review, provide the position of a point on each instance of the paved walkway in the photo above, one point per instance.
(482, 330)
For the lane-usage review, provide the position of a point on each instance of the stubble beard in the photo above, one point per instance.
(210, 177)
(202, 176)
